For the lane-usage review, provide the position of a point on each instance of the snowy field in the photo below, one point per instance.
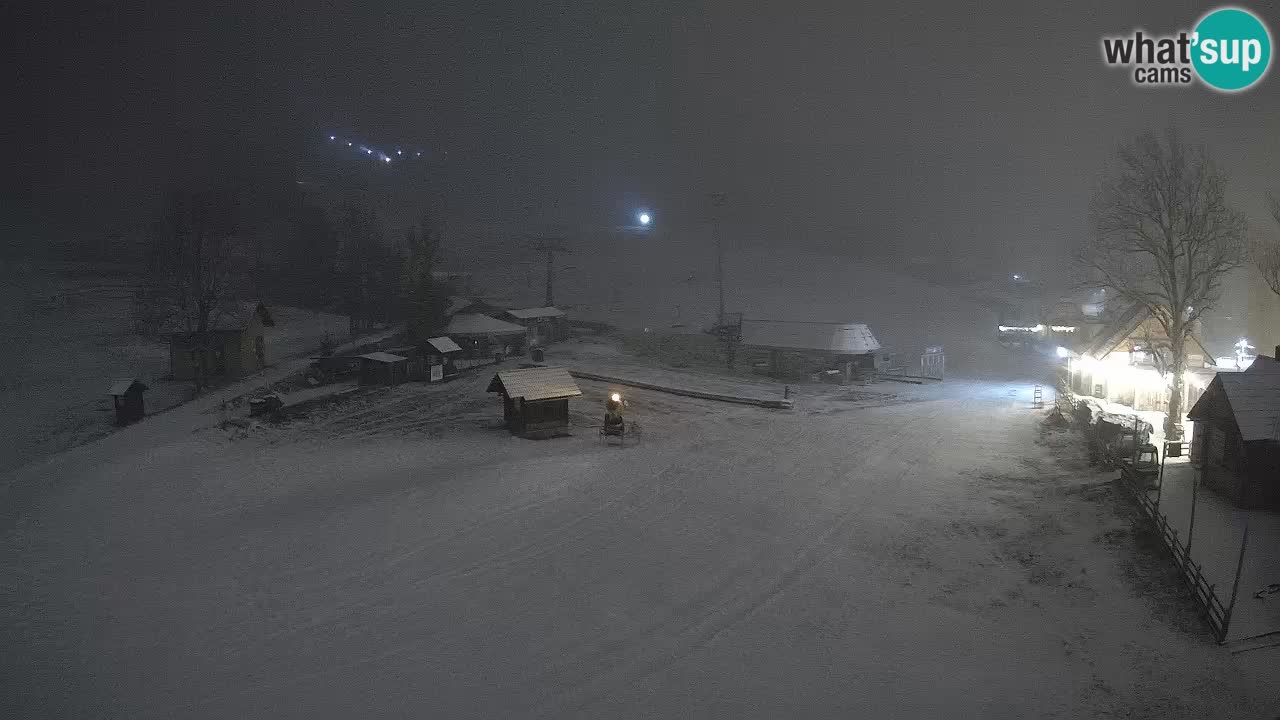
(398, 556)
(70, 335)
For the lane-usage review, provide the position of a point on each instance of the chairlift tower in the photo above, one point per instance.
(550, 245)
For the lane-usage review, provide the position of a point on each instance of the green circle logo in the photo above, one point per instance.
(1232, 49)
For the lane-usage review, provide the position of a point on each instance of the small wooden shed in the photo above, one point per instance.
(1236, 439)
(441, 352)
(535, 401)
(383, 368)
(126, 396)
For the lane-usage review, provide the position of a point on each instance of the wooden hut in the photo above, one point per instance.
(1236, 439)
(544, 325)
(535, 401)
(840, 348)
(441, 353)
(126, 397)
(383, 368)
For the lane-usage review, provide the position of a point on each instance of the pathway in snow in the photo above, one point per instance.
(926, 559)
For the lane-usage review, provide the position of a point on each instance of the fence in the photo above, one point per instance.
(1215, 612)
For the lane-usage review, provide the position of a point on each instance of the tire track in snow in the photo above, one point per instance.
(713, 622)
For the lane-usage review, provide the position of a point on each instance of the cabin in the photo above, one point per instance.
(383, 368)
(842, 348)
(126, 398)
(1236, 437)
(442, 353)
(544, 325)
(535, 401)
(234, 346)
(481, 336)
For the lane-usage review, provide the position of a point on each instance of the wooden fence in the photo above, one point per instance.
(1215, 612)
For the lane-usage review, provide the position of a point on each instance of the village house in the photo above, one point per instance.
(544, 325)
(481, 336)
(843, 347)
(535, 401)
(236, 345)
(1236, 440)
(1121, 363)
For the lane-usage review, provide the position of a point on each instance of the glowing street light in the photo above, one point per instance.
(644, 218)
(333, 137)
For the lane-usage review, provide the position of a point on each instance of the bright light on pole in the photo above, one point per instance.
(1063, 352)
(645, 218)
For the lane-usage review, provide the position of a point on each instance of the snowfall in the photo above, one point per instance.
(888, 551)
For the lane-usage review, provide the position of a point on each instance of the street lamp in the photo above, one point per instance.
(644, 218)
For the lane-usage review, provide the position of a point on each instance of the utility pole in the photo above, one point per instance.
(718, 200)
(551, 246)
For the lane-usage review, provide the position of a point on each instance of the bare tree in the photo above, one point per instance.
(1265, 250)
(425, 299)
(196, 273)
(1164, 238)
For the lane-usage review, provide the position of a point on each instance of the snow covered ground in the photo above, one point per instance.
(396, 555)
(1215, 544)
(70, 334)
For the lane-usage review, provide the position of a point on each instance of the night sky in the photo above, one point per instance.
(945, 128)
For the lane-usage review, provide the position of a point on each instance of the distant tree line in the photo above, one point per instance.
(215, 244)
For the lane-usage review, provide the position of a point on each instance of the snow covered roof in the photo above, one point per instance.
(121, 386)
(837, 338)
(444, 344)
(383, 357)
(477, 324)
(541, 383)
(1123, 326)
(1254, 400)
(539, 312)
